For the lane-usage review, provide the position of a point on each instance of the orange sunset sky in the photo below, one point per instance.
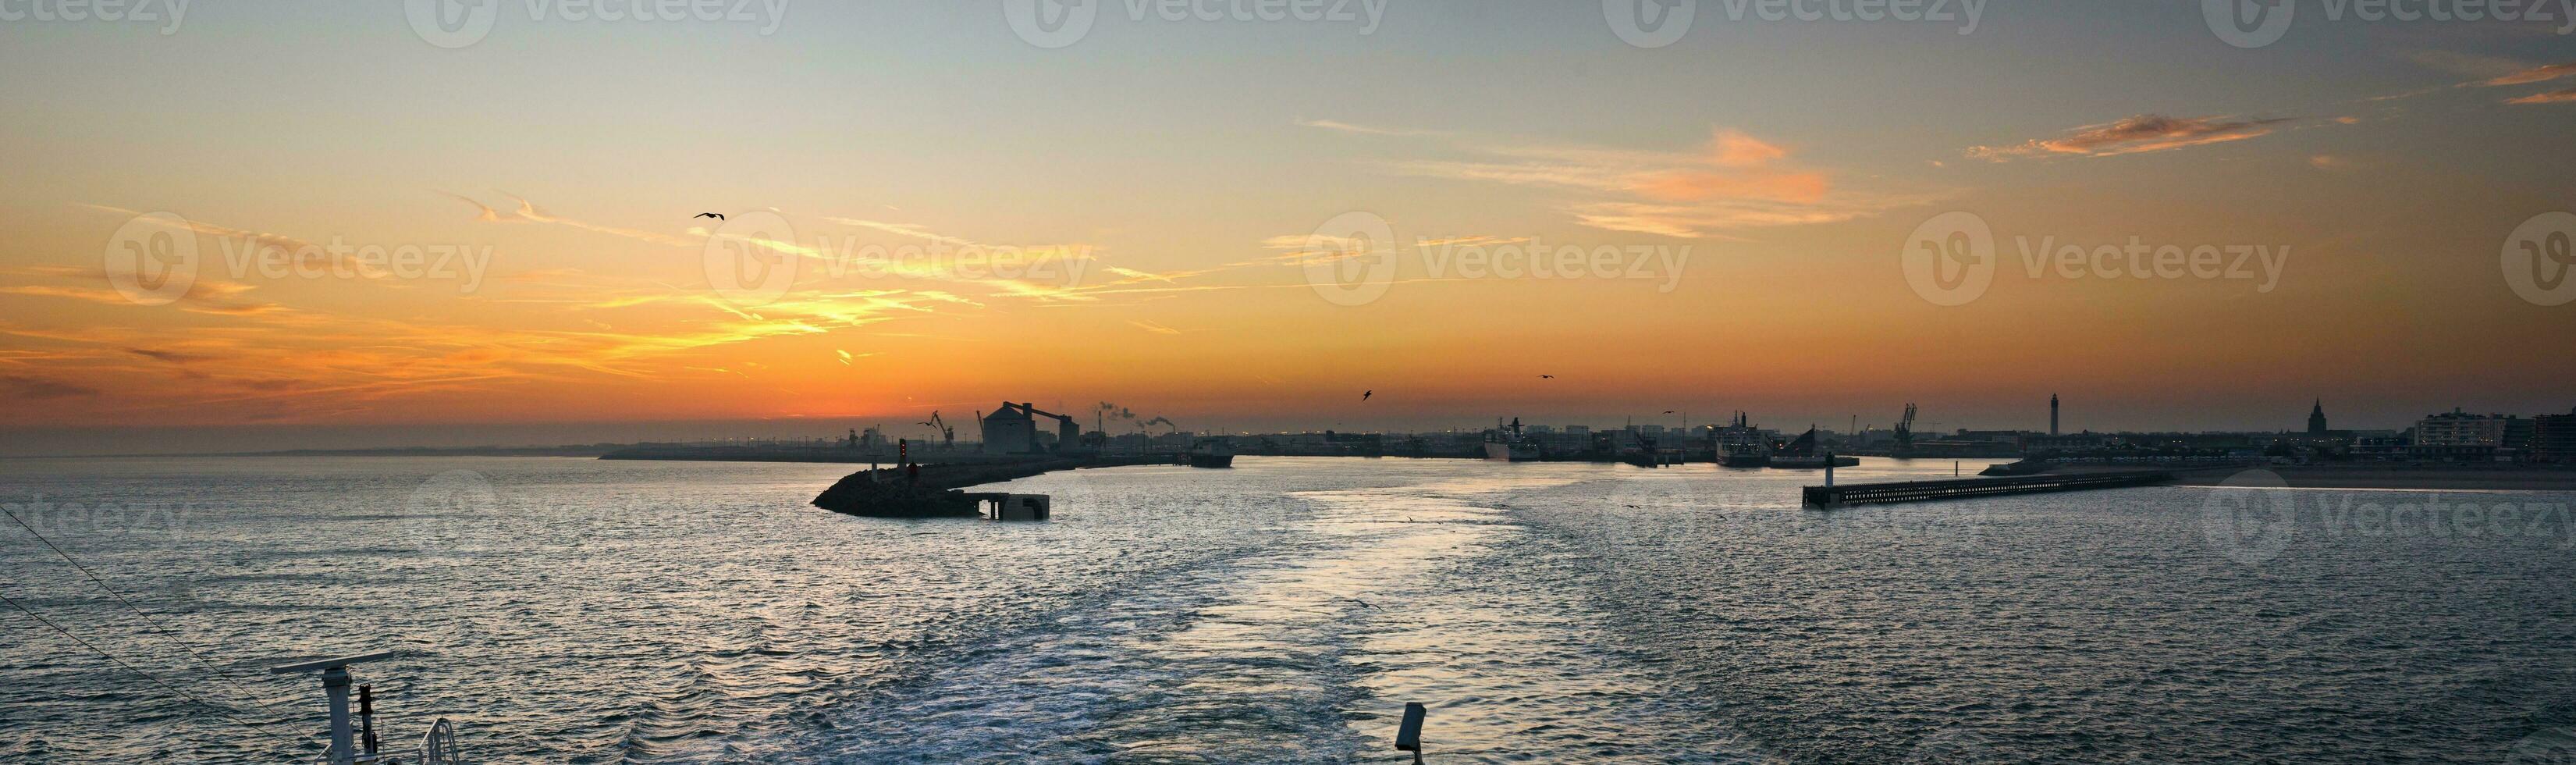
(1142, 217)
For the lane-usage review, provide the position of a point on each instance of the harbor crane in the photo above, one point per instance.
(1905, 430)
(947, 433)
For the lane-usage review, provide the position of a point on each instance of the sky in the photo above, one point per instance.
(276, 225)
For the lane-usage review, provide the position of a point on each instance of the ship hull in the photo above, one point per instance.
(1506, 452)
(1813, 463)
(1211, 460)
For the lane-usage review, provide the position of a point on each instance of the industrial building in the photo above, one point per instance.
(1013, 429)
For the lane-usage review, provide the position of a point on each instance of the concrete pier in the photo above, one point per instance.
(1961, 488)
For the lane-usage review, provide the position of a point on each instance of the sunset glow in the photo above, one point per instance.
(503, 232)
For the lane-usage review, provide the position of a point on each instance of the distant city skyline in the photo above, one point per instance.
(224, 439)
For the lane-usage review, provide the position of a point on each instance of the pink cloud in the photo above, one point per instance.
(2135, 135)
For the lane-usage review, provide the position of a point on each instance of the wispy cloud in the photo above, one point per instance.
(2552, 97)
(31, 388)
(205, 295)
(243, 242)
(906, 229)
(2136, 135)
(1734, 181)
(2532, 75)
(1345, 127)
(527, 212)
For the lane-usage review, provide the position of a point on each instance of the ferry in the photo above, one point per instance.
(1211, 453)
(1740, 445)
(1511, 446)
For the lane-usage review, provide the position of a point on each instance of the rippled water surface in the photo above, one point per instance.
(587, 611)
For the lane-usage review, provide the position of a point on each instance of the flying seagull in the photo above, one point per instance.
(1547, 377)
(1365, 396)
(711, 215)
(1668, 411)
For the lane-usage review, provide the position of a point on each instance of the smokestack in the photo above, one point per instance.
(2052, 414)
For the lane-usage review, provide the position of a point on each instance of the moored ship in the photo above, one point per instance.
(1506, 444)
(1211, 453)
(1740, 445)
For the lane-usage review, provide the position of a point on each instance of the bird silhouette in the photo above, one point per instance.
(711, 215)
(1668, 411)
(1547, 377)
(1365, 396)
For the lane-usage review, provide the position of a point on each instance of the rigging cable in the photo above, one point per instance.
(138, 611)
(227, 713)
